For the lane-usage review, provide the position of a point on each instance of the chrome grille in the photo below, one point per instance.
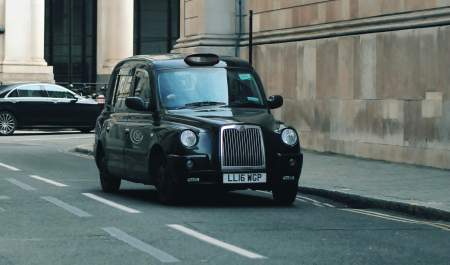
(242, 147)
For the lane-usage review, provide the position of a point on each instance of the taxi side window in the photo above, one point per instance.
(122, 92)
(142, 86)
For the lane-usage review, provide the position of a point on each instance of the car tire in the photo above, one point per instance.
(108, 183)
(168, 190)
(285, 194)
(8, 123)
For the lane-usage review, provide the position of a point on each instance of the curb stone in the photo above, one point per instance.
(84, 150)
(359, 201)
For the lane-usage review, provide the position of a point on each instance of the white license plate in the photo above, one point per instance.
(242, 178)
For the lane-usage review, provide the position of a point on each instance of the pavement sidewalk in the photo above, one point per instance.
(420, 191)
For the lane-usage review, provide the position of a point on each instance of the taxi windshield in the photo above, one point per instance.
(194, 88)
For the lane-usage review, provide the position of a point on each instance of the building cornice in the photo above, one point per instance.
(386, 23)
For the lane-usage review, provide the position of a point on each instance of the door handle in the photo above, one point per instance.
(127, 131)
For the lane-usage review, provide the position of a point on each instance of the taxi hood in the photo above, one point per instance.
(218, 117)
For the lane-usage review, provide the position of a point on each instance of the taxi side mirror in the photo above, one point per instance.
(275, 101)
(135, 103)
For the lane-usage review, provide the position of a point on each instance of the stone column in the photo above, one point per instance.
(208, 26)
(114, 35)
(23, 43)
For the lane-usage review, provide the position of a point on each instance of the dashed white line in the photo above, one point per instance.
(9, 167)
(49, 181)
(216, 242)
(72, 209)
(20, 184)
(140, 245)
(4, 197)
(111, 203)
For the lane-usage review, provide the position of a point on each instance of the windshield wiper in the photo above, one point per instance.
(204, 104)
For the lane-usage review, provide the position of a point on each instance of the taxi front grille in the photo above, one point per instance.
(242, 147)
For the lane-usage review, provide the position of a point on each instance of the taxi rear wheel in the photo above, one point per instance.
(284, 194)
(168, 190)
(108, 183)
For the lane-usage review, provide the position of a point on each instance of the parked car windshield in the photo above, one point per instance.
(192, 88)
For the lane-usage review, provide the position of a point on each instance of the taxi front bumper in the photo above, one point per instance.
(199, 170)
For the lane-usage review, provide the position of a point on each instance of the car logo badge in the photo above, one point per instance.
(241, 128)
(137, 136)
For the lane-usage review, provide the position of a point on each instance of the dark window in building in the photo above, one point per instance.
(156, 25)
(70, 39)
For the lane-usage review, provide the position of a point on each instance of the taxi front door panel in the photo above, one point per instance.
(116, 138)
(140, 127)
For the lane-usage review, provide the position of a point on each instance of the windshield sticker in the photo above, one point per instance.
(245, 76)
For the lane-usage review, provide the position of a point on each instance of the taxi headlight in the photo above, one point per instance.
(188, 138)
(289, 137)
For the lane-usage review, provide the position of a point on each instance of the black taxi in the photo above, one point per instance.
(194, 121)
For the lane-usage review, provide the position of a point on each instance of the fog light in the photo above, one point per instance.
(190, 164)
(190, 180)
(288, 178)
(292, 162)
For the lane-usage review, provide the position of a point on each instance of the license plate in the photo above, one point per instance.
(242, 178)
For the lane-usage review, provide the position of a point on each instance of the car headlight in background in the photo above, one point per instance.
(289, 137)
(188, 138)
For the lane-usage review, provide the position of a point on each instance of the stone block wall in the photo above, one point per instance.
(369, 78)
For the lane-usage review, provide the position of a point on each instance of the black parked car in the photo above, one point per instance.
(179, 122)
(44, 106)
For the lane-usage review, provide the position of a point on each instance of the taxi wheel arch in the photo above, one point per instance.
(108, 183)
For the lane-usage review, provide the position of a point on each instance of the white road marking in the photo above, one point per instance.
(391, 218)
(216, 242)
(140, 245)
(9, 167)
(329, 205)
(72, 209)
(4, 197)
(20, 184)
(308, 199)
(49, 181)
(111, 203)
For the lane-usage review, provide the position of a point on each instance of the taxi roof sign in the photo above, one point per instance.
(202, 59)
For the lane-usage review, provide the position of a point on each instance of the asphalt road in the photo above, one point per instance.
(53, 212)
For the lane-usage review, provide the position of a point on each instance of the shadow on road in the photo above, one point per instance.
(201, 199)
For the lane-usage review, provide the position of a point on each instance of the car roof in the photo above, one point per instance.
(10, 87)
(176, 60)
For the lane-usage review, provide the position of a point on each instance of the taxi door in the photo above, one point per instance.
(140, 129)
(116, 126)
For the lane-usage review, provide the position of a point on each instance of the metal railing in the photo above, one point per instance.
(91, 90)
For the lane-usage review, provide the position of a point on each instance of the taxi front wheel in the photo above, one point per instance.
(284, 194)
(169, 192)
(108, 183)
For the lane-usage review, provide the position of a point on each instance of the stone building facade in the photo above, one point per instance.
(367, 78)
(80, 41)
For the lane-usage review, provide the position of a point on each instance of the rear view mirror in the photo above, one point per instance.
(275, 101)
(135, 103)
